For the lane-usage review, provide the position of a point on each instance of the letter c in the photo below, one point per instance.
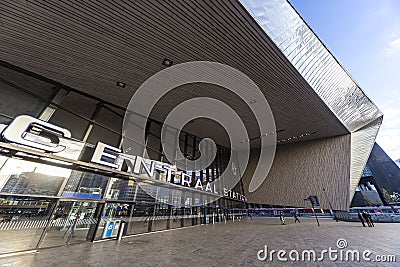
(16, 132)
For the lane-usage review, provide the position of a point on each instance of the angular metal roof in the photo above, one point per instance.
(324, 74)
(91, 45)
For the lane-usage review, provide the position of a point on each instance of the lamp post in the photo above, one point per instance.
(330, 206)
(312, 199)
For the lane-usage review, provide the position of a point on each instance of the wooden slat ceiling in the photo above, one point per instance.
(89, 45)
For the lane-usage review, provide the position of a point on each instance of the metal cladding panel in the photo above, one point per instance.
(314, 62)
(303, 169)
(362, 142)
(324, 74)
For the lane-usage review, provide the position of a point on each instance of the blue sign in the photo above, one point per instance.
(80, 195)
(109, 229)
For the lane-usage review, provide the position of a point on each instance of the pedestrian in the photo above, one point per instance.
(371, 223)
(251, 215)
(296, 217)
(365, 216)
(146, 219)
(360, 217)
(70, 232)
(282, 218)
(175, 217)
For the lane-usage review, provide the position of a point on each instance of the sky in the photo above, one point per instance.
(364, 36)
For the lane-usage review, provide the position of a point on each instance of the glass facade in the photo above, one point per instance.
(46, 202)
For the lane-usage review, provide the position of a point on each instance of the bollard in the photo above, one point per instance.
(121, 230)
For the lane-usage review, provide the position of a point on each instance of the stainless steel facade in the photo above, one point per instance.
(324, 74)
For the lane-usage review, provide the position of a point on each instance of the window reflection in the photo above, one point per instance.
(24, 177)
(85, 185)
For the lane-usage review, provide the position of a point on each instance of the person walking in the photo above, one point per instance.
(370, 222)
(296, 217)
(146, 219)
(365, 216)
(360, 217)
(70, 232)
(282, 218)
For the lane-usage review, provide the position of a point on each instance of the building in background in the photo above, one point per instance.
(397, 162)
(380, 182)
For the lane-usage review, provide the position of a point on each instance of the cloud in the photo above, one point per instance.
(392, 49)
(389, 133)
(395, 43)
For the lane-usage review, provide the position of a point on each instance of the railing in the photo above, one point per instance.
(376, 217)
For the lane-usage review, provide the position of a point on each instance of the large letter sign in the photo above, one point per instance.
(48, 138)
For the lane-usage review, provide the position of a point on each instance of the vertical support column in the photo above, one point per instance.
(130, 222)
(146, 136)
(151, 218)
(185, 150)
(176, 146)
(170, 216)
(204, 213)
(213, 165)
(183, 216)
(47, 227)
(93, 120)
(194, 155)
(51, 106)
(91, 235)
(160, 149)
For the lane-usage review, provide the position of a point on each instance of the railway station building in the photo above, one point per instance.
(68, 74)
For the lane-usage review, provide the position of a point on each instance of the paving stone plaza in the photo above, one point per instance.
(234, 244)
